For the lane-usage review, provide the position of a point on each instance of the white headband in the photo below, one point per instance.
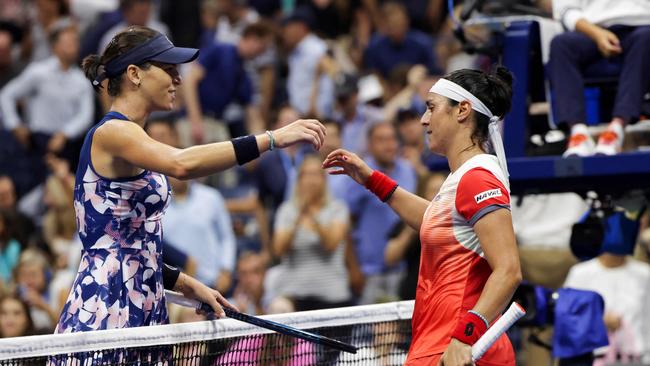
(456, 92)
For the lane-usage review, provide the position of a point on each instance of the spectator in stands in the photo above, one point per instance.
(310, 229)
(229, 19)
(48, 16)
(9, 68)
(134, 12)
(374, 220)
(21, 225)
(399, 45)
(248, 295)
(624, 284)
(218, 82)
(197, 222)
(59, 220)
(58, 102)
(404, 243)
(33, 274)
(597, 29)
(275, 173)
(310, 91)
(411, 134)
(15, 319)
(9, 250)
(354, 114)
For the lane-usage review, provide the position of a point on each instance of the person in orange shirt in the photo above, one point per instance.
(469, 265)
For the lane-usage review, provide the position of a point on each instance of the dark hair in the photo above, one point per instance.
(124, 41)
(494, 89)
(55, 33)
(30, 329)
(260, 30)
(375, 126)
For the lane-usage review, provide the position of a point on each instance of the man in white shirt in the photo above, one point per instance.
(58, 100)
(310, 89)
(613, 29)
(624, 284)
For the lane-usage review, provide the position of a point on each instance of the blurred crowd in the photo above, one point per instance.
(278, 234)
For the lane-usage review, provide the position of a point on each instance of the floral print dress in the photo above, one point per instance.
(119, 282)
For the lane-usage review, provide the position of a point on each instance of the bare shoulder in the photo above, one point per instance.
(117, 131)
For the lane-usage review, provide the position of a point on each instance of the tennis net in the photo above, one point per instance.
(382, 334)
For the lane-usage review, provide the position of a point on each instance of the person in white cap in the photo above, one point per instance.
(470, 265)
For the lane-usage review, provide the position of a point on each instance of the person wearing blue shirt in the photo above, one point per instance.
(218, 82)
(374, 220)
(197, 222)
(399, 45)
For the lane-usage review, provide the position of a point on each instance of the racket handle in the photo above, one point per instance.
(514, 312)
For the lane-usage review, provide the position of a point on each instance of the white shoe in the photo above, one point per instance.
(580, 142)
(610, 142)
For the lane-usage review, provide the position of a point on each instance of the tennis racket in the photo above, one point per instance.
(514, 312)
(179, 299)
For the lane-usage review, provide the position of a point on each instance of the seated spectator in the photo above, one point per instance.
(275, 172)
(21, 225)
(33, 274)
(624, 284)
(597, 29)
(58, 103)
(248, 295)
(59, 220)
(356, 114)
(15, 318)
(405, 242)
(47, 16)
(310, 229)
(9, 68)
(197, 222)
(9, 250)
(218, 82)
(399, 46)
(414, 148)
(374, 219)
(134, 12)
(310, 91)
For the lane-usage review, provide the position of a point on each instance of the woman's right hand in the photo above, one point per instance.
(349, 163)
(303, 130)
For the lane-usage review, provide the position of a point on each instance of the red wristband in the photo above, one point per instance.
(469, 329)
(381, 185)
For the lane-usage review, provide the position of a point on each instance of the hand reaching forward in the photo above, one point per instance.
(349, 163)
(303, 130)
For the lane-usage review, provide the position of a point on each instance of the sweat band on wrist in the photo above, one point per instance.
(470, 328)
(246, 149)
(381, 185)
(170, 276)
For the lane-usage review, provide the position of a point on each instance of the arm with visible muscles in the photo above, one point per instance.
(128, 141)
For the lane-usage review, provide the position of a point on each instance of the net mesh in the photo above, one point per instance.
(380, 332)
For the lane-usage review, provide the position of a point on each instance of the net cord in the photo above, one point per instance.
(44, 345)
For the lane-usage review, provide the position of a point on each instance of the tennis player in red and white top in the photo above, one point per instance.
(469, 266)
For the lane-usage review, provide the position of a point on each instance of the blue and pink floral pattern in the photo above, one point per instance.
(119, 282)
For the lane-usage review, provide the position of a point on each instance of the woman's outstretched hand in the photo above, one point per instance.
(349, 164)
(303, 130)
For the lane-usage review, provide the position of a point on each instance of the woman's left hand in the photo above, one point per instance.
(457, 354)
(193, 289)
